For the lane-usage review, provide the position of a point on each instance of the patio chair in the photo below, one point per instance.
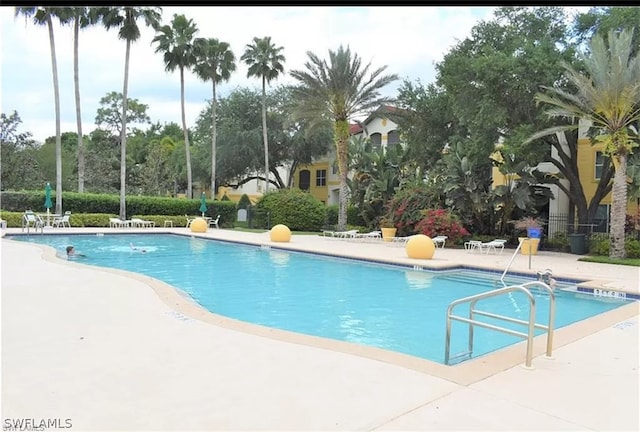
(30, 219)
(118, 223)
(62, 221)
(472, 245)
(368, 236)
(214, 222)
(493, 245)
(439, 241)
(189, 220)
(141, 223)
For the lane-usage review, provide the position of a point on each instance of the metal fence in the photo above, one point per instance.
(560, 223)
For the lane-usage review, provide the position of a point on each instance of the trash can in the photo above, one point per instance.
(578, 243)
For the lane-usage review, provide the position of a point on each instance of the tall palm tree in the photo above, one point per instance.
(44, 16)
(265, 61)
(214, 61)
(176, 44)
(338, 90)
(82, 17)
(125, 19)
(607, 95)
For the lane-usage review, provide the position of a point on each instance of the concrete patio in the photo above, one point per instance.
(111, 350)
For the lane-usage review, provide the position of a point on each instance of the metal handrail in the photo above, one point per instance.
(530, 323)
(504, 273)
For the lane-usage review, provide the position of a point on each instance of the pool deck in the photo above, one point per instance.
(112, 350)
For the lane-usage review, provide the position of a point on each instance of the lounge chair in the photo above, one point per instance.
(340, 234)
(439, 241)
(370, 235)
(118, 223)
(141, 223)
(472, 245)
(493, 245)
(30, 219)
(214, 222)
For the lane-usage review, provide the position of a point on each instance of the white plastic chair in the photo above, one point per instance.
(439, 241)
(118, 223)
(214, 222)
(30, 219)
(493, 245)
(62, 221)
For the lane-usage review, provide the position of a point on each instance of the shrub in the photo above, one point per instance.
(407, 204)
(441, 222)
(294, 208)
(353, 216)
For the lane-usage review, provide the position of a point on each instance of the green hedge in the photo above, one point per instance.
(108, 205)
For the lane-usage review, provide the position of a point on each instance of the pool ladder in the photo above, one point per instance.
(531, 324)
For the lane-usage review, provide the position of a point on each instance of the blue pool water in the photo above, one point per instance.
(390, 307)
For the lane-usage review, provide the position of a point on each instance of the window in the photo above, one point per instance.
(393, 137)
(376, 141)
(321, 177)
(304, 180)
(599, 163)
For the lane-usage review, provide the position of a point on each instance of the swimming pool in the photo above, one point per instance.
(390, 307)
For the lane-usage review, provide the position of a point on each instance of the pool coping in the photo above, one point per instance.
(465, 373)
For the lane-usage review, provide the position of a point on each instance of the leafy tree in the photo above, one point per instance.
(176, 44)
(608, 96)
(265, 61)
(239, 133)
(17, 149)
(214, 61)
(602, 19)
(339, 90)
(125, 19)
(109, 114)
(44, 16)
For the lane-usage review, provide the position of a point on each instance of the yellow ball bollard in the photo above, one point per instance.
(280, 233)
(420, 246)
(198, 225)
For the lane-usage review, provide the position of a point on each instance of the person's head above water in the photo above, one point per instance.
(70, 250)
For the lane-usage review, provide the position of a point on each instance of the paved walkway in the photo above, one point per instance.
(113, 351)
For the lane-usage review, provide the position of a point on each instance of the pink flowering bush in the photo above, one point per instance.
(436, 222)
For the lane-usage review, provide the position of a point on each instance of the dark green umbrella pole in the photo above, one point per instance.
(203, 204)
(47, 200)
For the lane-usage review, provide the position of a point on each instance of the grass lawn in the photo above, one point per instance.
(604, 259)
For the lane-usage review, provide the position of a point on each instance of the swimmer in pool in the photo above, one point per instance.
(137, 249)
(71, 252)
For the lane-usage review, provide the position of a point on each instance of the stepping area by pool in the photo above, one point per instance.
(110, 350)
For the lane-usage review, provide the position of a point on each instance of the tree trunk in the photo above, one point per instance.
(264, 135)
(56, 95)
(76, 82)
(186, 137)
(123, 136)
(342, 153)
(618, 208)
(213, 141)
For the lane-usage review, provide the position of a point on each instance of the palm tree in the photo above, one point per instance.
(265, 61)
(338, 90)
(607, 96)
(215, 62)
(44, 16)
(125, 18)
(82, 18)
(176, 44)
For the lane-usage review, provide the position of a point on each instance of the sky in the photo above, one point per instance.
(408, 40)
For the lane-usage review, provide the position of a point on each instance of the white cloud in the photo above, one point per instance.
(409, 40)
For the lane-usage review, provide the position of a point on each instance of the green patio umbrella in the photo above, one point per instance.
(47, 199)
(203, 204)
